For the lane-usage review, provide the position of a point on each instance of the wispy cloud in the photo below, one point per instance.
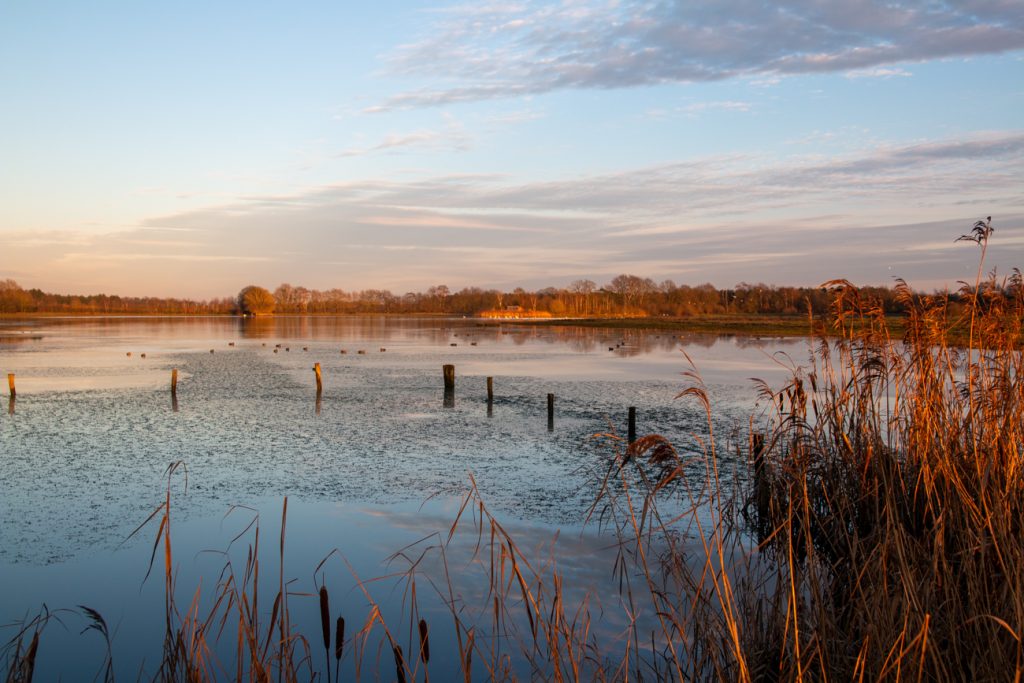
(452, 137)
(494, 49)
(892, 210)
(514, 117)
(440, 220)
(696, 109)
(719, 105)
(98, 256)
(879, 72)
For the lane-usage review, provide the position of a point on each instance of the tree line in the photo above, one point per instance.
(14, 299)
(623, 296)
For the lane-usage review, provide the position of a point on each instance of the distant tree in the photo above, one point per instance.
(284, 295)
(583, 286)
(582, 291)
(301, 298)
(254, 300)
(632, 289)
(13, 299)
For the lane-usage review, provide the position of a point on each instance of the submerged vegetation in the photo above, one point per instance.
(877, 536)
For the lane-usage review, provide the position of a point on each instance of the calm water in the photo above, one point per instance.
(86, 445)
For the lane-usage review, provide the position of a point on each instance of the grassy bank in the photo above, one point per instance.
(751, 325)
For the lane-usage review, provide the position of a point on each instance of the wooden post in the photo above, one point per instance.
(632, 424)
(319, 379)
(490, 397)
(10, 384)
(449, 385)
(551, 412)
(174, 381)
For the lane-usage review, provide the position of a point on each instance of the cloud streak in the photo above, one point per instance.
(493, 50)
(452, 138)
(892, 211)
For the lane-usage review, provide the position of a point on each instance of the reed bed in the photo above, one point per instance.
(886, 504)
(877, 536)
(888, 498)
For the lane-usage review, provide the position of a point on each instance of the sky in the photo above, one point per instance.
(192, 148)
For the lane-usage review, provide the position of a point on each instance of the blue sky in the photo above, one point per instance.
(189, 149)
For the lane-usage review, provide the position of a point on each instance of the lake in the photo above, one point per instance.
(379, 461)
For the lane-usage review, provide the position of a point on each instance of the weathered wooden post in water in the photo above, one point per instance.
(551, 412)
(10, 384)
(449, 385)
(319, 387)
(632, 424)
(490, 397)
(174, 389)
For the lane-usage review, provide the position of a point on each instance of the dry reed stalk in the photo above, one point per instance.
(339, 646)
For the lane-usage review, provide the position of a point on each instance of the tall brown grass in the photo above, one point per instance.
(887, 506)
(893, 472)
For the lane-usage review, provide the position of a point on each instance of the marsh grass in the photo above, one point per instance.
(878, 536)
